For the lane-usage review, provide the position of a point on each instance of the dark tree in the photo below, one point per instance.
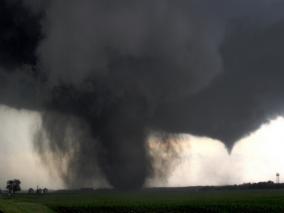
(31, 191)
(13, 186)
(45, 191)
(39, 191)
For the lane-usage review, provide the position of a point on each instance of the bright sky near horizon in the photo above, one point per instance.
(202, 161)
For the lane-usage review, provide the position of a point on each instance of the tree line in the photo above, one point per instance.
(14, 186)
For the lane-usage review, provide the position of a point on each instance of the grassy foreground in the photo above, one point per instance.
(25, 207)
(148, 201)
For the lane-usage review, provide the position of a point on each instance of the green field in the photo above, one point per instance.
(148, 201)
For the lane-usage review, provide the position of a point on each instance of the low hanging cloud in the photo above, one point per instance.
(106, 74)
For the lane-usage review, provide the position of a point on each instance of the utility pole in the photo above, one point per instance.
(277, 178)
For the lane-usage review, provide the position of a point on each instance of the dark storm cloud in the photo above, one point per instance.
(19, 34)
(248, 93)
(105, 74)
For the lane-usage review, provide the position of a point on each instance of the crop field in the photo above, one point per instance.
(147, 201)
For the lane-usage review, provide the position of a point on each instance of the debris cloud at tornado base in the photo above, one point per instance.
(105, 75)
